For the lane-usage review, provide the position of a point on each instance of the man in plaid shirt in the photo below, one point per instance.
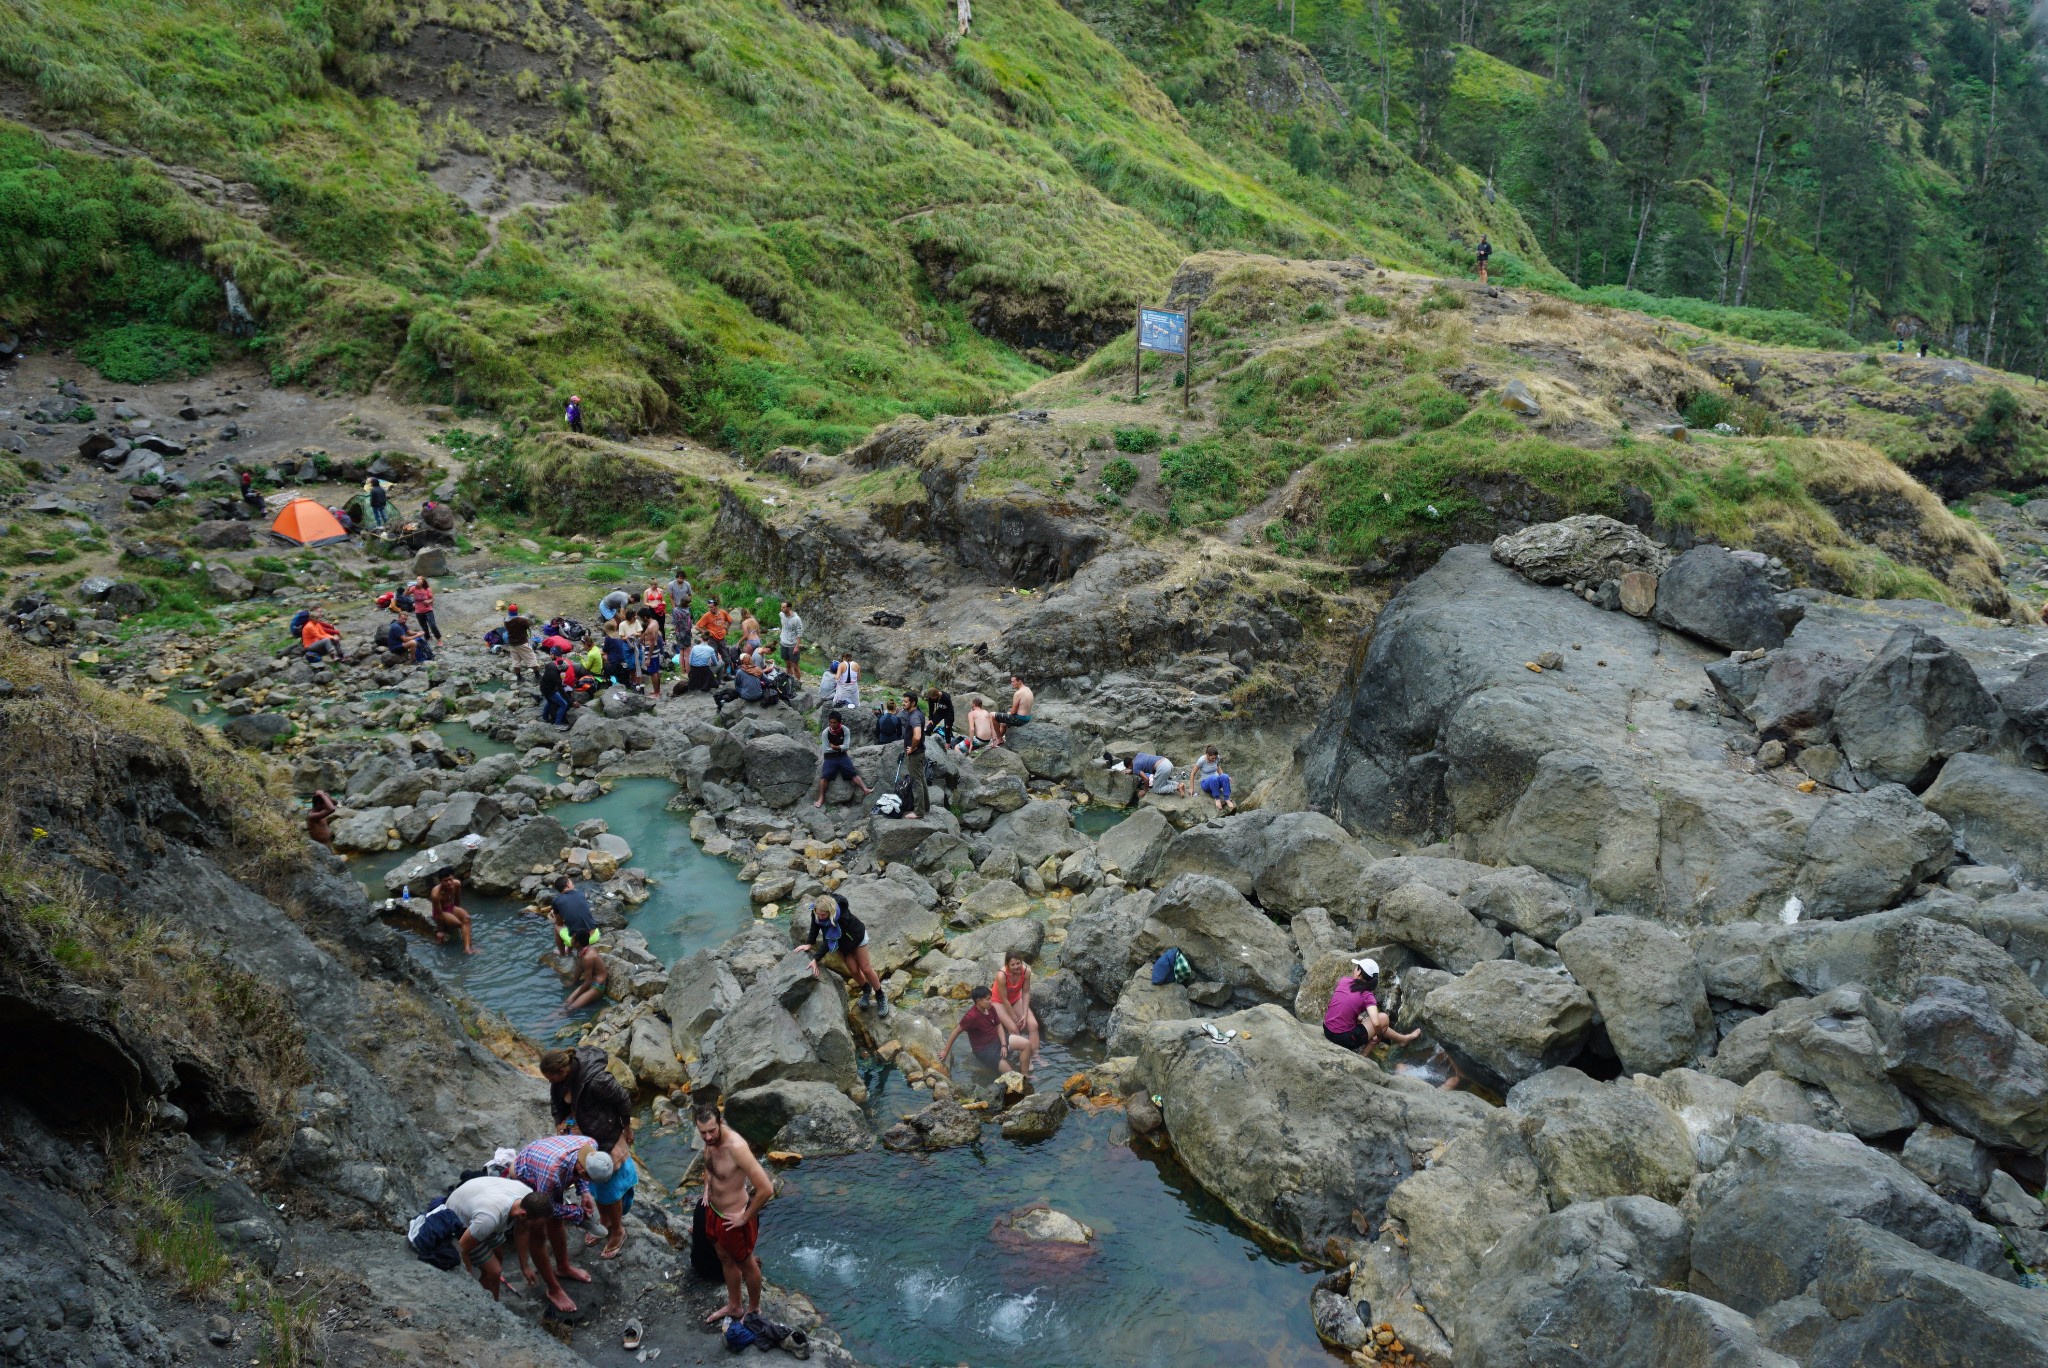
(552, 1166)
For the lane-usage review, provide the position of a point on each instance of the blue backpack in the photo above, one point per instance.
(738, 1336)
(1171, 967)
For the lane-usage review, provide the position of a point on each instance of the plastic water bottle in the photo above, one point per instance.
(405, 893)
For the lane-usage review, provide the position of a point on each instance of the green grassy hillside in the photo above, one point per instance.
(761, 223)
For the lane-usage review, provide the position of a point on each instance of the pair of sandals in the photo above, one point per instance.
(773, 1332)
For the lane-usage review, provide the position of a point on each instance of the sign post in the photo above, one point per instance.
(1161, 331)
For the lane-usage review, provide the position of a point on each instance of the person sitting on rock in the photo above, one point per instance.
(449, 914)
(846, 682)
(1012, 1002)
(323, 808)
(985, 1034)
(702, 673)
(320, 638)
(1022, 701)
(591, 974)
(981, 728)
(1213, 783)
(1354, 1019)
(835, 930)
(837, 764)
(553, 1166)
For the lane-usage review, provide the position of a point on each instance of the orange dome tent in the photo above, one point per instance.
(303, 522)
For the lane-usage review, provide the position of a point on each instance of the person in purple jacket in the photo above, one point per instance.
(572, 413)
(1354, 1019)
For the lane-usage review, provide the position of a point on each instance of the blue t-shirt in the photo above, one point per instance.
(615, 655)
(704, 654)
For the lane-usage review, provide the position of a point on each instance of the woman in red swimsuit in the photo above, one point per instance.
(1013, 1004)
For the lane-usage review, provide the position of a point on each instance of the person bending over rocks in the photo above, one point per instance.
(449, 913)
(494, 1211)
(1012, 1001)
(991, 1043)
(1021, 704)
(835, 928)
(317, 815)
(1354, 1019)
(553, 1166)
(736, 1187)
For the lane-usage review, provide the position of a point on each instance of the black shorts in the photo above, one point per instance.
(839, 767)
(990, 1057)
(1352, 1039)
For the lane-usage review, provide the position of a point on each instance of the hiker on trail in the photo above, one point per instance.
(680, 592)
(611, 605)
(715, 623)
(591, 974)
(1485, 254)
(423, 607)
(651, 649)
(570, 910)
(835, 930)
(249, 494)
(981, 728)
(938, 710)
(985, 1034)
(319, 638)
(789, 638)
(703, 667)
(736, 1187)
(554, 695)
(449, 914)
(495, 1212)
(584, 1098)
(837, 764)
(1011, 999)
(914, 726)
(553, 1166)
(317, 815)
(1923, 349)
(380, 501)
(1354, 1019)
(1212, 781)
(1021, 703)
(572, 413)
(519, 640)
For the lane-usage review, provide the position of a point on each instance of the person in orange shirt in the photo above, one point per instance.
(715, 623)
(320, 638)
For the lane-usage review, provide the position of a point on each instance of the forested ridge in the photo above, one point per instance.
(1876, 164)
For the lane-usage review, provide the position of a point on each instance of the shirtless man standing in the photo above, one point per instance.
(1021, 704)
(449, 914)
(736, 1187)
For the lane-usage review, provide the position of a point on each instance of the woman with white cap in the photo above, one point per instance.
(1354, 1019)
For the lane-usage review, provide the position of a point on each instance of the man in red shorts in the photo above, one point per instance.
(736, 1187)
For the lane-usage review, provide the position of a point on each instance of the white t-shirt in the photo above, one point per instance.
(792, 629)
(485, 1205)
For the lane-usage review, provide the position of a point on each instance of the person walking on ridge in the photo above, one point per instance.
(572, 413)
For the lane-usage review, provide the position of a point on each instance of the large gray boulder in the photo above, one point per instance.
(258, 731)
(788, 1026)
(1593, 1140)
(1648, 987)
(780, 768)
(1764, 1215)
(900, 928)
(528, 845)
(1286, 860)
(1591, 821)
(590, 736)
(1098, 948)
(1035, 832)
(1891, 1301)
(1141, 1003)
(1912, 707)
(1721, 596)
(464, 814)
(1794, 693)
(1594, 1286)
(1484, 1186)
(1999, 812)
(1288, 1131)
(1431, 923)
(1506, 1021)
(1834, 1041)
(1890, 952)
(1970, 1066)
(701, 990)
(1589, 548)
(1867, 851)
(1047, 749)
(1951, 1163)
(1225, 938)
(1525, 900)
(1134, 846)
(812, 1119)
